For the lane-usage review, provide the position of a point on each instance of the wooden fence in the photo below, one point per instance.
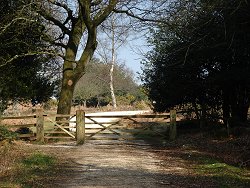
(57, 128)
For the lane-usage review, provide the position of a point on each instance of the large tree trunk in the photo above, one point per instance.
(66, 95)
(72, 73)
(73, 70)
(240, 103)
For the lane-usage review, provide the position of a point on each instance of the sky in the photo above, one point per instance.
(132, 54)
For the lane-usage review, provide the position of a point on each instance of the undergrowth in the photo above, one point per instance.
(27, 170)
(35, 167)
(5, 134)
(224, 175)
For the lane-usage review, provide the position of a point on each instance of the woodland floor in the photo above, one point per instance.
(190, 161)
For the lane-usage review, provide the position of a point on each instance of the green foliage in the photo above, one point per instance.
(21, 67)
(203, 59)
(225, 175)
(141, 105)
(20, 30)
(26, 84)
(34, 167)
(124, 100)
(38, 160)
(5, 134)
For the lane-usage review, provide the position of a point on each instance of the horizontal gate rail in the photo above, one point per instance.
(63, 123)
(130, 116)
(114, 128)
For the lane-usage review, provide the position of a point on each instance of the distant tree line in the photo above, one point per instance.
(202, 59)
(93, 89)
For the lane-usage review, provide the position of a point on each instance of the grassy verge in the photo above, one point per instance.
(210, 157)
(26, 170)
(222, 174)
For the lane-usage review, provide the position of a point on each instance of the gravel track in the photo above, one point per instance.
(115, 164)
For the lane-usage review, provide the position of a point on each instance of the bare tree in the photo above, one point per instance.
(116, 32)
(74, 24)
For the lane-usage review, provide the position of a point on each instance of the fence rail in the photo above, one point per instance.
(60, 128)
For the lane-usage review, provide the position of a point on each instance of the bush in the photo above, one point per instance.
(50, 104)
(5, 134)
(141, 105)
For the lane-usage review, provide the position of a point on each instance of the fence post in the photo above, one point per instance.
(172, 129)
(39, 125)
(80, 127)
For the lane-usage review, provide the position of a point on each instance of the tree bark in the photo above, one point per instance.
(66, 95)
(72, 74)
(225, 106)
(85, 21)
(240, 103)
(111, 84)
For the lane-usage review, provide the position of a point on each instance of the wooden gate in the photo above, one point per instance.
(61, 129)
(127, 127)
(46, 126)
(82, 127)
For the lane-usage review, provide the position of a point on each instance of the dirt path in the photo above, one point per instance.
(118, 164)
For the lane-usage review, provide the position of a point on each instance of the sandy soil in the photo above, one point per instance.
(126, 164)
(117, 164)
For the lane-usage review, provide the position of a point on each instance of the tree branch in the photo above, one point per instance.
(85, 12)
(64, 6)
(48, 17)
(95, 3)
(131, 14)
(29, 54)
(103, 14)
(3, 29)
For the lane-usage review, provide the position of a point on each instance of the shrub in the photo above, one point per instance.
(5, 134)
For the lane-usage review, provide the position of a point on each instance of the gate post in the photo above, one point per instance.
(39, 125)
(172, 129)
(80, 127)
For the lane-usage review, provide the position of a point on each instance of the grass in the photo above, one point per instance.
(28, 170)
(5, 134)
(34, 168)
(38, 160)
(224, 175)
(213, 170)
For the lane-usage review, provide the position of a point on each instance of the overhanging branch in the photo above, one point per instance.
(64, 6)
(102, 15)
(29, 54)
(48, 17)
(130, 14)
(3, 29)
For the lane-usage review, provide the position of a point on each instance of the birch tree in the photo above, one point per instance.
(115, 34)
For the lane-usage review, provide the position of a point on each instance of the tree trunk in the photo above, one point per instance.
(74, 69)
(240, 104)
(225, 106)
(203, 116)
(111, 84)
(196, 110)
(112, 87)
(66, 96)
